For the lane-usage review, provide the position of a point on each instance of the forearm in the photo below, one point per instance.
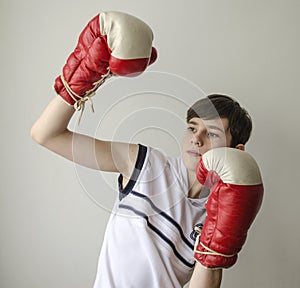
(51, 131)
(205, 278)
(51, 128)
(53, 121)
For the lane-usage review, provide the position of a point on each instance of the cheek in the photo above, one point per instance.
(186, 140)
(219, 142)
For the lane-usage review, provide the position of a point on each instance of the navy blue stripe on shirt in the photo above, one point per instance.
(166, 216)
(160, 234)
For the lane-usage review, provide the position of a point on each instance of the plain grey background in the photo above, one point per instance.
(52, 217)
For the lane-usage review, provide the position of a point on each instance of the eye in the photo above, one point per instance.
(212, 135)
(190, 128)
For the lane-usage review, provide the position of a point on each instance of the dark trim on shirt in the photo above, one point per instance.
(135, 174)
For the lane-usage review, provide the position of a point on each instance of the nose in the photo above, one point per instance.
(196, 140)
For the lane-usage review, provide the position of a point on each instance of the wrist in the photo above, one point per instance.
(204, 277)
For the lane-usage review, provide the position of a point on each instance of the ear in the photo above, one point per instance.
(240, 147)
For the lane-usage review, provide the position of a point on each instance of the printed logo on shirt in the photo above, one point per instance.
(196, 231)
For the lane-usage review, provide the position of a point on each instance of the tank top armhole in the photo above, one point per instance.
(124, 191)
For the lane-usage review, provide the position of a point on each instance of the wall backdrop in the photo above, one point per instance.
(53, 213)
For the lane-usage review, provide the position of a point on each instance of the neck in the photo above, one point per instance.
(196, 190)
(194, 186)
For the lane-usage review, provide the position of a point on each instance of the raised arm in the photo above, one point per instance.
(51, 131)
(101, 52)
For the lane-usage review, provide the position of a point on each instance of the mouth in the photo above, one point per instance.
(194, 153)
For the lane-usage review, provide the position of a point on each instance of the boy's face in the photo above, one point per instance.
(202, 135)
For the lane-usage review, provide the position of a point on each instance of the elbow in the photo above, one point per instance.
(37, 135)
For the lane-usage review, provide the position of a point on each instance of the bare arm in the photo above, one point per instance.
(51, 131)
(205, 278)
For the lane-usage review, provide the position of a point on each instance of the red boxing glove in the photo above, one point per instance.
(112, 43)
(236, 193)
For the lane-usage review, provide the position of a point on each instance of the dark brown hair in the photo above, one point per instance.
(223, 106)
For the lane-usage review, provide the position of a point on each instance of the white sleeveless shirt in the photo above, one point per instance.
(149, 238)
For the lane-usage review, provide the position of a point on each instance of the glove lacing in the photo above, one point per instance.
(208, 250)
(80, 101)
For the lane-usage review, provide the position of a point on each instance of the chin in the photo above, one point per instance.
(190, 164)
